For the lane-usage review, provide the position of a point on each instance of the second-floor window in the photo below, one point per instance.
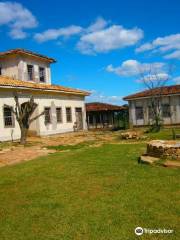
(30, 72)
(42, 75)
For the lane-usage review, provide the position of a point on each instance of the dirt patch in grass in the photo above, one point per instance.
(12, 152)
(76, 138)
(21, 153)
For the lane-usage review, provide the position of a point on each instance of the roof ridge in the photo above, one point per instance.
(26, 51)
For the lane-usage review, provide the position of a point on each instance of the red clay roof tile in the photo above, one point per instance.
(12, 83)
(26, 52)
(163, 91)
(97, 106)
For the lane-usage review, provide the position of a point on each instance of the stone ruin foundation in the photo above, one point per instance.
(164, 149)
(130, 135)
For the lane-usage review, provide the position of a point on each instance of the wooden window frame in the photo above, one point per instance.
(44, 71)
(137, 114)
(28, 65)
(61, 115)
(12, 118)
(70, 115)
(166, 114)
(50, 119)
(150, 113)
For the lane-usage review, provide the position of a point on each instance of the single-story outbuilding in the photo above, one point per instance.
(140, 111)
(102, 115)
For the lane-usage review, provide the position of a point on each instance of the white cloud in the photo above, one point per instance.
(98, 37)
(175, 54)
(177, 80)
(99, 24)
(133, 68)
(154, 77)
(145, 47)
(174, 38)
(101, 97)
(17, 18)
(18, 34)
(53, 34)
(108, 39)
(170, 43)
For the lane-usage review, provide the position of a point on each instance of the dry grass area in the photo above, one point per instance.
(74, 138)
(12, 153)
(18, 154)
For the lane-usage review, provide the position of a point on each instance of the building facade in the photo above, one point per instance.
(140, 111)
(28, 74)
(103, 115)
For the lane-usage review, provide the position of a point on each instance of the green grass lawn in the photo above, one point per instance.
(96, 193)
(164, 134)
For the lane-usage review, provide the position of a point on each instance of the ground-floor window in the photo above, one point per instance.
(68, 114)
(47, 115)
(150, 112)
(8, 117)
(166, 110)
(59, 114)
(139, 113)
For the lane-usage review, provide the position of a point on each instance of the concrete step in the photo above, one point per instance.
(148, 159)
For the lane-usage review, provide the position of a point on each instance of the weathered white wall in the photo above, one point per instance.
(16, 67)
(174, 102)
(63, 102)
(10, 66)
(53, 101)
(24, 61)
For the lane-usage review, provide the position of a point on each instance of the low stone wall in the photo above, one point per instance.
(164, 149)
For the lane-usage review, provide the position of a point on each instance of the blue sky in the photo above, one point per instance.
(99, 45)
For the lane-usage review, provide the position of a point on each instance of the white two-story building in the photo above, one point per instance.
(27, 73)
